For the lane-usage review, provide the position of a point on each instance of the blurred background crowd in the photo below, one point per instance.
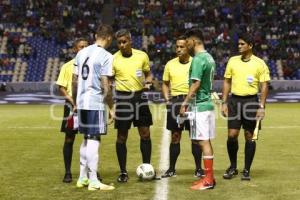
(36, 35)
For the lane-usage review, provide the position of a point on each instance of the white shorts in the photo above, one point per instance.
(202, 126)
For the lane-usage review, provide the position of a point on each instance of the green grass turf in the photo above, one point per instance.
(32, 164)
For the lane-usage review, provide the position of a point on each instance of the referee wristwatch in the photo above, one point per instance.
(261, 106)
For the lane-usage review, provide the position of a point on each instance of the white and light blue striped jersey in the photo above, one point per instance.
(91, 63)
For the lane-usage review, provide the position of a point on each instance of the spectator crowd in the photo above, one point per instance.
(155, 25)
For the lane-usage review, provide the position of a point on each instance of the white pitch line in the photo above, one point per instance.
(32, 127)
(161, 188)
(271, 127)
(54, 127)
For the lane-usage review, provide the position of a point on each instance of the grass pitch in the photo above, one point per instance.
(32, 163)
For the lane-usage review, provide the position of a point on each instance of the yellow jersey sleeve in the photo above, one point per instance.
(264, 74)
(178, 75)
(146, 65)
(65, 76)
(166, 74)
(61, 77)
(228, 71)
(129, 71)
(246, 76)
(113, 64)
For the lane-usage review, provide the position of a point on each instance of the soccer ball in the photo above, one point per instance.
(145, 171)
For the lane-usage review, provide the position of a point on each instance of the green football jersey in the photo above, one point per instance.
(202, 69)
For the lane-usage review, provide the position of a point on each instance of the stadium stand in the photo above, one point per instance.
(36, 36)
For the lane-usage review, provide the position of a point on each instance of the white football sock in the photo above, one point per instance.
(92, 158)
(83, 160)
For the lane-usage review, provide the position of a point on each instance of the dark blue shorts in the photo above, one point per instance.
(92, 122)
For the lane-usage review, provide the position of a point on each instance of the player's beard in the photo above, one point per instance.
(192, 52)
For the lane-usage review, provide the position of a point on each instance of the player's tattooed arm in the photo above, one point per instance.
(190, 96)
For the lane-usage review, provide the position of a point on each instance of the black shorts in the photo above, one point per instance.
(173, 110)
(242, 112)
(63, 128)
(132, 107)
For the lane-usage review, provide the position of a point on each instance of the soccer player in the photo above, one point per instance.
(132, 75)
(198, 99)
(244, 75)
(64, 83)
(175, 80)
(92, 68)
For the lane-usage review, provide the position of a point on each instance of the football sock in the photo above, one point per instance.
(67, 152)
(250, 147)
(145, 146)
(208, 166)
(232, 149)
(174, 153)
(197, 153)
(92, 155)
(83, 160)
(122, 155)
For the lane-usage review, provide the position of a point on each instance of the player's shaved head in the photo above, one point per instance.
(196, 34)
(195, 40)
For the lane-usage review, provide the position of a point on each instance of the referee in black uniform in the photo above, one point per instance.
(243, 77)
(175, 81)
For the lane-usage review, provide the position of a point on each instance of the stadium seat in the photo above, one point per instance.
(156, 22)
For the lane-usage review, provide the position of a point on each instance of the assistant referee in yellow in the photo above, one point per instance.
(64, 83)
(175, 82)
(132, 75)
(243, 77)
